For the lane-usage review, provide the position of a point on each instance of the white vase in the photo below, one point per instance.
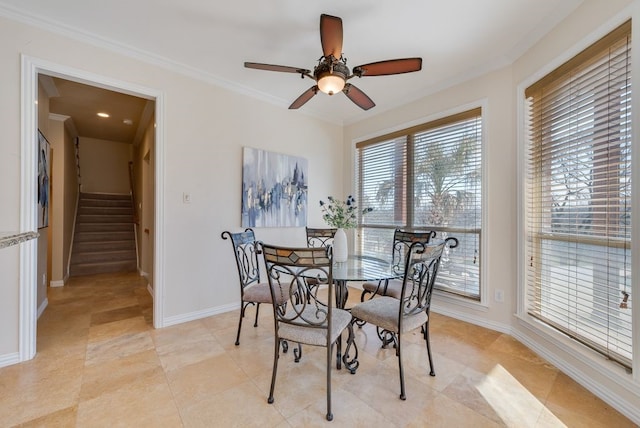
(340, 252)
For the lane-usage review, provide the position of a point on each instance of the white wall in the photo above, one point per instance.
(205, 128)
(497, 92)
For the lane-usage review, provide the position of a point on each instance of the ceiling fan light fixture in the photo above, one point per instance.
(331, 76)
(331, 83)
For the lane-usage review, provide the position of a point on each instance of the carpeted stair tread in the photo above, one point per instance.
(104, 239)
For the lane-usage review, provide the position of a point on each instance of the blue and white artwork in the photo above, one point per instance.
(44, 172)
(274, 189)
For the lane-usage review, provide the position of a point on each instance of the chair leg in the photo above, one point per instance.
(242, 308)
(400, 368)
(426, 339)
(297, 353)
(329, 355)
(276, 357)
(255, 324)
(339, 352)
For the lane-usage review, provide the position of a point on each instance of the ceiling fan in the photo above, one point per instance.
(331, 73)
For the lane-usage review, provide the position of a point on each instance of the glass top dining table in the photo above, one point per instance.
(360, 268)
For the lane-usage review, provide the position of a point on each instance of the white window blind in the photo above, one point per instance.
(579, 197)
(448, 196)
(427, 178)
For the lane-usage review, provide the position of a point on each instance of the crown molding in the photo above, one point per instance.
(130, 51)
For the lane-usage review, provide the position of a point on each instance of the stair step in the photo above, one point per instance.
(93, 268)
(100, 236)
(104, 227)
(117, 218)
(104, 245)
(105, 196)
(102, 256)
(105, 203)
(105, 210)
(104, 238)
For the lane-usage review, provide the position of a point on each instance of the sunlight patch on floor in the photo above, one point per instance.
(512, 402)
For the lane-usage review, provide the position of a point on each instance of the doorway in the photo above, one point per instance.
(32, 69)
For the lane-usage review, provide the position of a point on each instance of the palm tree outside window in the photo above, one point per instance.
(428, 177)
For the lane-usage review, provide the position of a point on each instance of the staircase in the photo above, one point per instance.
(104, 238)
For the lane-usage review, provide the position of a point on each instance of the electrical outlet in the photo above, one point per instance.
(499, 296)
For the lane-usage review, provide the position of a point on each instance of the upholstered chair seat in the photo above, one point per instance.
(314, 336)
(383, 312)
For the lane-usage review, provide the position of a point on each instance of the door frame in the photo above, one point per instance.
(31, 67)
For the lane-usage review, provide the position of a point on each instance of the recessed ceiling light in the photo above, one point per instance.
(103, 114)
(128, 122)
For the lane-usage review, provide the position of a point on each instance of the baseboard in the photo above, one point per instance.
(625, 402)
(192, 316)
(479, 320)
(42, 307)
(621, 402)
(59, 283)
(150, 289)
(9, 359)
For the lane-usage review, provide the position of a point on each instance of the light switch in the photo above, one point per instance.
(186, 198)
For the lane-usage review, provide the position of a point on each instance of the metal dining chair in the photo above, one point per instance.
(300, 315)
(402, 240)
(320, 237)
(397, 316)
(252, 291)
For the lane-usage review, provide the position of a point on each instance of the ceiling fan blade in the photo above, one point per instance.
(270, 67)
(392, 66)
(306, 96)
(361, 99)
(331, 35)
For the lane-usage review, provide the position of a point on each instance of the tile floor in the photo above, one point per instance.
(100, 363)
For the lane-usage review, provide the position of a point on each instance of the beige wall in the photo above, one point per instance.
(56, 138)
(104, 166)
(63, 196)
(205, 128)
(590, 22)
(70, 198)
(497, 92)
(144, 166)
(494, 92)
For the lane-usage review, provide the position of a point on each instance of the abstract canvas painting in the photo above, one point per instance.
(44, 172)
(274, 189)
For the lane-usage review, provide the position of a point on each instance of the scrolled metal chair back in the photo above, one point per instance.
(421, 269)
(320, 237)
(296, 302)
(402, 241)
(245, 249)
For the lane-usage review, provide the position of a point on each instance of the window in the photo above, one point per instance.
(427, 178)
(578, 243)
